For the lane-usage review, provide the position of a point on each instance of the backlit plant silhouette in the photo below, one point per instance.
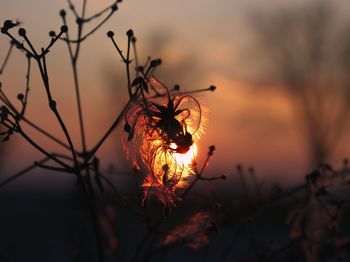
(166, 122)
(162, 126)
(162, 131)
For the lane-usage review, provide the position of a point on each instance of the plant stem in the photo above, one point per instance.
(6, 58)
(110, 130)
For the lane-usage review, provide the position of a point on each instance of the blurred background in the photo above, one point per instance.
(281, 69)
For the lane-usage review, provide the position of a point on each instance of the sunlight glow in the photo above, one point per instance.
(187, 158)
(166, 151)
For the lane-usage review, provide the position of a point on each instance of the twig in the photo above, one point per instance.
(199, 174)
(2, 68)
(98, 14)
(22, 172)
(156, 225)
(24, 100)
(109, 131)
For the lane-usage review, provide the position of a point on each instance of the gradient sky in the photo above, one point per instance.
(201, 43)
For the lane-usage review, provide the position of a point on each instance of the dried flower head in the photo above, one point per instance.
(160, 135)
(195, 233)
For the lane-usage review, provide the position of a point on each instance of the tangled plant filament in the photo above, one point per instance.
(161, 134)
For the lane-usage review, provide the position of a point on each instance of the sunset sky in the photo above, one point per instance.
(251, 121)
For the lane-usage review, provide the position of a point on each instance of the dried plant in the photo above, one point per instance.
(194, 233)
(162, 127)
(172, 124)
(161, 132)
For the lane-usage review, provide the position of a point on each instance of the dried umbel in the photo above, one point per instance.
(160, 135)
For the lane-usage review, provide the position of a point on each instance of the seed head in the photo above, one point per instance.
(130, 33)
(156, 62)
(64, 29)
(114, 7)
(20, 96)
(212, 88)
(22, 32)
(8, 24)
(110, 34)
(211, 150)
(63, 13)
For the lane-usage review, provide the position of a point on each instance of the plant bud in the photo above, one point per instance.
(212, 88)
(114, 7)
(110, 34)
(130, 33)
(63, 13)
(64, 29)
(22, 32)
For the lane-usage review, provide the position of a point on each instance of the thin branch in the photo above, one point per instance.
(47, 134)
(199, 174)
(72, 7)
(8, 103)
(79, 106)
(54, 168)
(18, 44)
(127, 62)
(22, 172)
(98, 14)
(79, 40)
(116, 46)
(133, 41)
(40, 149)
(25, 97)
(110, 130)
(53, 41)
(53, 106)
(211, 88)
(29, 43)
(2, 68)
(83, 10)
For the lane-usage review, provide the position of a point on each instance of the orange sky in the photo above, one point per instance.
(200, 43)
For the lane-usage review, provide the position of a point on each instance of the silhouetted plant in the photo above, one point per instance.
(84, 163)
(160, 125)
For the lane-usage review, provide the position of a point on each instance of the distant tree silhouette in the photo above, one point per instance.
(308, 52)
